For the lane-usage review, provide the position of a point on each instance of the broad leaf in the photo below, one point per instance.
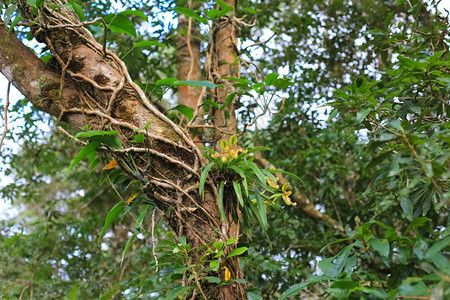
(85, 151)
(190, 14)
(237, 252)
(183, 109)
(203, 177)
(112, 215)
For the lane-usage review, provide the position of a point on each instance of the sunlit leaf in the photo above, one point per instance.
(237, 252)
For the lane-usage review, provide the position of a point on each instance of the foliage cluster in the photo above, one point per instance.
(378, 163)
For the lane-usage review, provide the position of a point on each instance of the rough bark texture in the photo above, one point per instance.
(225, 63)
(188, 63)
(91, 86)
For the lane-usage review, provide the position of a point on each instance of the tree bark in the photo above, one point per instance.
(188, 62)
(225, 63)
(91, 86)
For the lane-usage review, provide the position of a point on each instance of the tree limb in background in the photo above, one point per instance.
(300, 197)
(5, 122)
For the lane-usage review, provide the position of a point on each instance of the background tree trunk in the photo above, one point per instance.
(225, 63)
(188, 62)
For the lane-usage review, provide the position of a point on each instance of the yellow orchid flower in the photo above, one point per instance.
(271, 183)
(286, 198)
(227, 273)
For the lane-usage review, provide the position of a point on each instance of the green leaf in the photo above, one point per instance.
(271, 78)
(420, 248)
(35, 3)
(14, 23)
(218, 245)
(332, 243)
(251, 10)
(381, 246)
(216, 13)
(112, 141)
(237, 252)
(136, 13)
(411, 63)
(214, 265)
(344, 284)
(244, 178)
(253, 296)
(261, 210)
(240, 80)
(78, 10)
(218, 254)
(85, 151)
(94, 133)
(165, 81)
(73, 292)
(259, 88)
(109, 294)
(141, 218)
(211, 279)
(120, 24)
(220, 201)
(407, 207)
(139, 138)
(93, 160)
(437, 248)
(205, 83)
(127, 246)
(112, 215)
(230, 241)
(8, 14)
(293, 290)
(183, 109)
(149, 44)
(282, 83)
(237, 189)
(377, 292)
(362, 114)
(403, 255)
(397, 125)
(333, 266)
(413, 286)
(223, 4)
(257, 172)
(190, 14)
(388, 19)
(284, 172)
(203, 179)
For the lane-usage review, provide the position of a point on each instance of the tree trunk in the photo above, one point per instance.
(225, 63)
(188, 62)
(91, 86)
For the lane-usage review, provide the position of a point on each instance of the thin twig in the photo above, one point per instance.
(64, 69)
(105, 33)
(72, 25)
(8, 90)
(258, 43)
(154, 240)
